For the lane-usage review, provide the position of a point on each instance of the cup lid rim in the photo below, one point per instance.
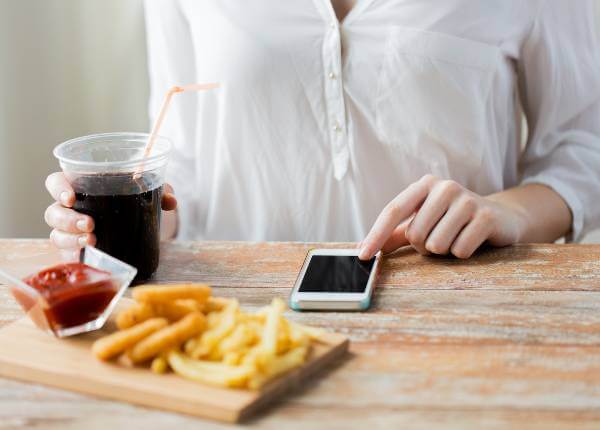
(126, 135)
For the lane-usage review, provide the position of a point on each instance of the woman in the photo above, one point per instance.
(328, 109)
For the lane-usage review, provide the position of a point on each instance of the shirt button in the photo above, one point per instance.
(332, 24)
(337, 128)
(332, 75)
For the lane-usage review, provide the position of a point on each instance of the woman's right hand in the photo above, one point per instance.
(71, 230)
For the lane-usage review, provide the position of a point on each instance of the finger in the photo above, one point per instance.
(433, 209)
(472, 236)
(64, 240)
(69, 254)
(397, 239)
(168, 202)
(393, 214)
(447, 229)
(67, 220)
(60, 189)
(419, 248)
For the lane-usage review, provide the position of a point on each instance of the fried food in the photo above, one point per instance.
(173, 311)
(177, 309)
(217, 303)
(135, 314)
(168, 337)
(272, 324)
(223, 326)
(169, 293)
(268, 344)
(159, 364)
(114, 344)
(207, 339)
(241, 337)
(279, 365)
(207, 372)
(313, 333)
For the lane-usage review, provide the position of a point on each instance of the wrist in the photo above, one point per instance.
(513, 218)
(541, 214)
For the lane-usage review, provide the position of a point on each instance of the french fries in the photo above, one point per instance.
(279, 365)
(216, 303)
(208, 372)
(225, 324)
(207, 339)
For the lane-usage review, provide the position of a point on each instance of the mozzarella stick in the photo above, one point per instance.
(112, 345)
(174, 311)
(169, 293)
(168, 337)
(159, 364)
(135, 314)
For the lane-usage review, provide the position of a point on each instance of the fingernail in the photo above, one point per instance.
(363, 254)
(81, 225)
(64, 197)
(82, 240)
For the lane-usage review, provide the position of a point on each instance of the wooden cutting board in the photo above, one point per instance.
(29, 354)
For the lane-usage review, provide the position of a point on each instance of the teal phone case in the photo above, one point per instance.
(363, 305)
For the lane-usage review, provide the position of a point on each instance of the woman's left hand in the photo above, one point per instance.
(438, 216)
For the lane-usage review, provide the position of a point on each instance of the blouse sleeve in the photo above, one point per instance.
(171, 62)
(559, 74)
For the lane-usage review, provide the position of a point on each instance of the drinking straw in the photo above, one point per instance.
(161, 116)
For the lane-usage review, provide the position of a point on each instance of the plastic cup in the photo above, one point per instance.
(121, 190)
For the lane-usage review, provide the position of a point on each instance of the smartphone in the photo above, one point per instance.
(335, 279)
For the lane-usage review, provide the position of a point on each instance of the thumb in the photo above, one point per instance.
(168, 201)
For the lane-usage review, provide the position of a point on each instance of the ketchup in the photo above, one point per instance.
(75, 293)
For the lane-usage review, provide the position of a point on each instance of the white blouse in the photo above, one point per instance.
(318, 124)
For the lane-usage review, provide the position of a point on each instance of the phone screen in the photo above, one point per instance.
(336, 274)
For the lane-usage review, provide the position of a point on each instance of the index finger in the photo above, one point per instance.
(60, 189)
(403, 206)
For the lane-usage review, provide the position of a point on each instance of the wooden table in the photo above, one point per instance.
(507, 339)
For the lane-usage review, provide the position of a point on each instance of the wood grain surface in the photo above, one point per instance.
(507, 339)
